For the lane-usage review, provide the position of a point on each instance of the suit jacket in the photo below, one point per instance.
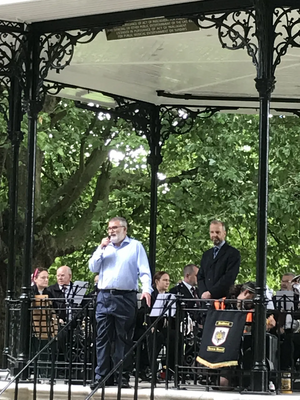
(216, 275)
(181, 289)
(59, 302)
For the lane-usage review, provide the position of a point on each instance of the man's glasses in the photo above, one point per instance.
(114, 228)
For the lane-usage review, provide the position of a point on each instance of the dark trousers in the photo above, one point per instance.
(290, 350)
(115, 315)
(161, 340)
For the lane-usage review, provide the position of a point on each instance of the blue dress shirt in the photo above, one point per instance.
(120, 267)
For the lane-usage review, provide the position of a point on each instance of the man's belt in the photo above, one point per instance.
(117, 291)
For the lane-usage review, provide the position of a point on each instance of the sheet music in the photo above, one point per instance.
(161, 303)
(79, 290)
(270, 305)
(284, 299)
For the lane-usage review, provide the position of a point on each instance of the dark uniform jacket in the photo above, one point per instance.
(216, 275)
(59, 304)
(181, 289)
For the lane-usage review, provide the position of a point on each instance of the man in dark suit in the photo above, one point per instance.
(61, 291)
(187, 288)
(219, 265)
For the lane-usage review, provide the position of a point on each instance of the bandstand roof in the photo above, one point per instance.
(151, 68)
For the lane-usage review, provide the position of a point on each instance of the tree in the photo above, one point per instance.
(74, 179)
(91, 167)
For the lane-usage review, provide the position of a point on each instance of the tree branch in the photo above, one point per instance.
(67, 194)
(177, 179)
(69, 241)
(74, 188)
(83, 141)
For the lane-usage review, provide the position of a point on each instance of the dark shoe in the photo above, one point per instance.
(125, 383)
(109, 382)
(145, 376)
(95, 384)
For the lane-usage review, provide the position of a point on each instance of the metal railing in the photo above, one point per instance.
(66, 352)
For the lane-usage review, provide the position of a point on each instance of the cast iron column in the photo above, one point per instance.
(264, 84)
(154, 160)
(15, 135)
(32, 80)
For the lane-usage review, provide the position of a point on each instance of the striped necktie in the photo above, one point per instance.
(194, 292)
(216, 251)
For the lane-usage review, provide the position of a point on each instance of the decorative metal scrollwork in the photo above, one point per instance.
(53, 88)
(11, 46)
(236, 30)
(180, 120)
(138, 113)
(57, 50)
(11, 26)
(287, 33)
(4, 97)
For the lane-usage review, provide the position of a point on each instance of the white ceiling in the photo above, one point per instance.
(183, 63)
(30, 11)
(191, 62)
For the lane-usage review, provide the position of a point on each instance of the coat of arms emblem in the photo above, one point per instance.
(220, 335)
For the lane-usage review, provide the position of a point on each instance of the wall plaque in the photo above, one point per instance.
(150, 27)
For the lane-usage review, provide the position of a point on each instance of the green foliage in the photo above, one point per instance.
(211, 172)
(93, 168)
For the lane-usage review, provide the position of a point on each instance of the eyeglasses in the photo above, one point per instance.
(114, 228)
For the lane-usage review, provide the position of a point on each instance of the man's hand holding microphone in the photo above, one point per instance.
(105, 242)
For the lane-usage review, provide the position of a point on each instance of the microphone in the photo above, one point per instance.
(104, 247)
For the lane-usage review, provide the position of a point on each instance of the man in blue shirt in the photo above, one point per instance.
(120, 262)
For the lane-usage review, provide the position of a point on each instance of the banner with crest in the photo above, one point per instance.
(221, 338)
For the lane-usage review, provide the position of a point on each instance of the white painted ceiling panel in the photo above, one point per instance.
(193, 63)
(42, 10)
(182, 63)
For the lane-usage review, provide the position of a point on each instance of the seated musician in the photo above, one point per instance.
(187, 288)
(243, 294)
(44, 321)
(160, 284)
(286, 302)
(40, 280)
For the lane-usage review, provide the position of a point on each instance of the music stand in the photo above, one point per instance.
(161, 303)
(285, 302)
(79, 290)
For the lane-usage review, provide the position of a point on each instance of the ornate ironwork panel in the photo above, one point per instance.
(236, 30)
(287, 33)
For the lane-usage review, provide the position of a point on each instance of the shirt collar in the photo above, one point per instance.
(187, 285)
(220, 245)
(126, 240)
(62, 286)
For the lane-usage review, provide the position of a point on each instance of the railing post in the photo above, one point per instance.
(265, 82)
(15, 135)
(33, 76)
(154, 160)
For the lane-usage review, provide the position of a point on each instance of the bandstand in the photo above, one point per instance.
(159, 64)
